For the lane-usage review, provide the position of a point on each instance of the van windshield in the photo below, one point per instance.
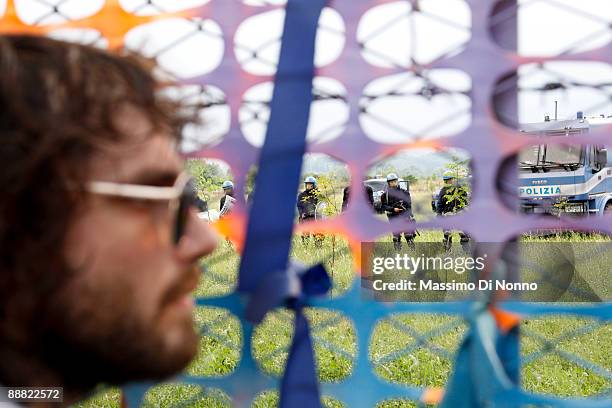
(376, 185)
(551, 155)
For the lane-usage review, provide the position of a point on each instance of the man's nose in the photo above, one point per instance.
(198, 240)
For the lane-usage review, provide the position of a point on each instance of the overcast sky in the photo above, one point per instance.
(546, 27)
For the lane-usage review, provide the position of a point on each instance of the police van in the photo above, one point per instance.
(565, 179)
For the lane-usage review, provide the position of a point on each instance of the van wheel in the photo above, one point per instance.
(608, 209)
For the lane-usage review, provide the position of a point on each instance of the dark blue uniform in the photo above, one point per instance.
(446, 206)
(307, 204)
(307, 211)
(394, 198)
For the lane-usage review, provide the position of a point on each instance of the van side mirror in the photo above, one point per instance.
(602, 158)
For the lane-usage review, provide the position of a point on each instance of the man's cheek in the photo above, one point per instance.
(114, 301)
(128, 251)
(93, 304)
(141, 278)
(129, 241)
(125, 286)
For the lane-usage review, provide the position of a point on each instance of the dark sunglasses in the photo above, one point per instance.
(180, 197)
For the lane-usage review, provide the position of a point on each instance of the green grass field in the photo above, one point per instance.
(335, 337)
(335, 343)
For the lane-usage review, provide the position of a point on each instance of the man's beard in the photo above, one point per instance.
(106, 343)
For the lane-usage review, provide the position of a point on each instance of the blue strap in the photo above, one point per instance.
(264, 270)
(268, 238)
(300, 385)
(296, 284)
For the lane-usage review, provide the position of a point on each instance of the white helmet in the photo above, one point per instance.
(310, 180)
(391, 177)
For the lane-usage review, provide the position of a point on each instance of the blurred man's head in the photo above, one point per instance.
(93, 288)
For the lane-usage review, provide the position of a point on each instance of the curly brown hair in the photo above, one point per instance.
(59, 101)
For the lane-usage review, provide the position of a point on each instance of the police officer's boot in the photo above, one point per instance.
(465, 242)
(410, 241)
(318, 240)
(397, 244)
(448, 241)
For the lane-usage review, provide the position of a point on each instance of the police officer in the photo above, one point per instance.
(307, 208)
(227, 201)
(398, 203)
(451, 199)
(228, 190)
